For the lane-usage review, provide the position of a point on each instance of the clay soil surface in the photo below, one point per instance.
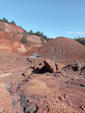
(45, 92)
(62, 48)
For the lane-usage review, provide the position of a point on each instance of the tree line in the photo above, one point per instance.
(38, 33)
(6, 21)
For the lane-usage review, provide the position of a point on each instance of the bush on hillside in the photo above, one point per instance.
(81, 40)
(13, 22)
(31, 32)
(38, 33)
(5, 20)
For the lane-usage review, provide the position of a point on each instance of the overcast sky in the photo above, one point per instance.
(52, 17)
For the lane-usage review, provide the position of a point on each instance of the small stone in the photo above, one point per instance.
(28, 72)
(31, 109)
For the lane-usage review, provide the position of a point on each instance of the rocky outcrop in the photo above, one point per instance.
(45, 66)
(10, 38)
(9, 46)
(50, 65)
(77, 67)
(10, 28)
(17, 40)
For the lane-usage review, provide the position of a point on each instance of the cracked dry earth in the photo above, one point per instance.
(59, 92)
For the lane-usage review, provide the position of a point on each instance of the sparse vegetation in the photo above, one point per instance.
(14, 36)
(13, 22)
(38, 33)
(24, 40)
(6, 21)
(31, 32)
(81, 40)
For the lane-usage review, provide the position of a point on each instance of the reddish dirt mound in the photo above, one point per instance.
(63, 49)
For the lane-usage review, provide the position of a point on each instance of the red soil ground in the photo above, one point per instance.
(60, 92)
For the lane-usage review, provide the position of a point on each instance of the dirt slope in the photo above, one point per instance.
(12, 37)
(10, 28)
(63, 49)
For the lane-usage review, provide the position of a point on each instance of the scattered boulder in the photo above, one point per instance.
(76, 66)
(28, 71)
(50, 65)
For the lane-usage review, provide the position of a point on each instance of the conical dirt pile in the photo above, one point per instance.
(63, 49)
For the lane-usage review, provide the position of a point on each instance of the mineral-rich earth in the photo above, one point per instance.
(62, 48)
(50, 81)
(40, 91)
(15, 39)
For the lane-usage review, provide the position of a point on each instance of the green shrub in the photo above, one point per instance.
(81, 40)
(31, 32)
(5, 20)
(13, 22)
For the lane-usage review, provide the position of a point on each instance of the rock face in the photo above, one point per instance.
(34, 42)
(12, 38)
(50, 65)
(11, 46)
(10, 28)
(63, 49)
(34, 39)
